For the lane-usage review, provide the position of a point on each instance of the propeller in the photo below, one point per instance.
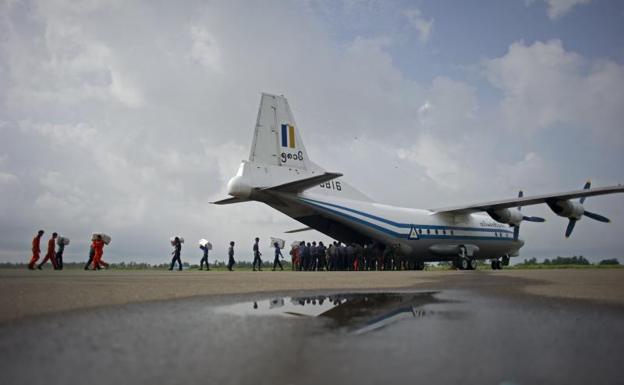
(524, 218)
(589, 214)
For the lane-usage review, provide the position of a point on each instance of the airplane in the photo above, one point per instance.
(280, 174)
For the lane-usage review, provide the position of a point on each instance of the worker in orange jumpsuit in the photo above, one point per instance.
(98, 247)
(36, 250)
(50, 253)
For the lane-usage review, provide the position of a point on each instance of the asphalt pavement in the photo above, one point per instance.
(475, 329)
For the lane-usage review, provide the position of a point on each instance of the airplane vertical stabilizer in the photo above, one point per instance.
(277, 140)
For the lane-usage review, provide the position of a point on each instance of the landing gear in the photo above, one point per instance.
(496, 264)
(462, 263)
(472, 264)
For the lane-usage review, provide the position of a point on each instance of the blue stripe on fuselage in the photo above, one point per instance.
(399, 235)
(406, 225)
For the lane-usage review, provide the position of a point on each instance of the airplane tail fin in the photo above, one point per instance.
(277, 140)
(278, 161)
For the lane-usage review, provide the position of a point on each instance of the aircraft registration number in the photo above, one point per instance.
(332, 185)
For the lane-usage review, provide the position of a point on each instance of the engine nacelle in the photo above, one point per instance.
(567, 209)
(507, 216)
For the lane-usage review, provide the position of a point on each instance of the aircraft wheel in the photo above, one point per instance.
(472, 264)
(462, 264)
(494, 264)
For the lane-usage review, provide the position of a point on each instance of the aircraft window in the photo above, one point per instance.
(444, 232)
(428, 231)
(419, 231)
(436, 231)
(452, 232)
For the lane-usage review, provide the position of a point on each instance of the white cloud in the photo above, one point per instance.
(545, 86)
(416, 20)
(558, 8)
(205, 49)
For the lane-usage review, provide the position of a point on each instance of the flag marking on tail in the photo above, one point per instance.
(288, 136)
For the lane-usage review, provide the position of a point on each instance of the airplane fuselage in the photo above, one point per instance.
(416, 234)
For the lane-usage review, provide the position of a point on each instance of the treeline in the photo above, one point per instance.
(566, 261)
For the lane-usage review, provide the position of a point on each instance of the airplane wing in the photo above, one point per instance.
(228, 201)
(303, 184)
(529, 200)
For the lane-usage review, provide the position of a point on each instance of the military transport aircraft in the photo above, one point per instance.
(280, 174)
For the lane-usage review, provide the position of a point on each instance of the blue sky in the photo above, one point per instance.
(130, 117)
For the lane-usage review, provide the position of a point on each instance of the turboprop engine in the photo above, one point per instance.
(574, 211)
(513, 217)
(507, 216)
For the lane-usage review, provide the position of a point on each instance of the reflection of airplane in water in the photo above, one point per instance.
(280, 174)
(360, 313)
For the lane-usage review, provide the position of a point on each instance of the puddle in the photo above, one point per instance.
(357, 312)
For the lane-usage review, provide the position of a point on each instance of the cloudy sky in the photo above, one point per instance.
(129, 117)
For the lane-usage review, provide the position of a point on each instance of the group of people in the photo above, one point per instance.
(344, 257)
(56, 247)
(304, 256)
(54, 256)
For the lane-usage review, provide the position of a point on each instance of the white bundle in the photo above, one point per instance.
(280, 242)
(106, 238)
(172, 240)
(295, 244)
(62, 241)
(205, 243)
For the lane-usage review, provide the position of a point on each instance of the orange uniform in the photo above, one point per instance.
(50, 254)
(36, 250)
(98, 247)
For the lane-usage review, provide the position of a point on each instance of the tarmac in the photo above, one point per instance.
(500, 327)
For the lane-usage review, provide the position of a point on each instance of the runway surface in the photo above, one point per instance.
(509, 327)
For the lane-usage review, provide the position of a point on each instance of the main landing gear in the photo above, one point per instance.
(465, 261)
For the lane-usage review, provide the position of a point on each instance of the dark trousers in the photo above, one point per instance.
(231, 263)
(201, 263)
(89, 262)
(59, 260)
(258, 261)
(176, 257)
(276, 262)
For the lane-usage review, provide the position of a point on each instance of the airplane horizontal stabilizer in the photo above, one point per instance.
(298, 230)
(228, 201)
(304, 184)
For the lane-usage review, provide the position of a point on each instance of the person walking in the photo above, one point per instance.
(278, 254)
(59, 253)
(204, 258)
(91, 256)
(177, 249)
(294, 257)
(50, 253)
(257, 254)
(98, 252)
(231, 260)
(36, 250)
